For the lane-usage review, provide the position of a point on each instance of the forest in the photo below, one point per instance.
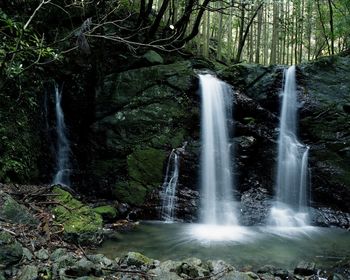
(175, 139)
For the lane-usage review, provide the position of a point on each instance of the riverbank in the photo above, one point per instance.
(47, 233)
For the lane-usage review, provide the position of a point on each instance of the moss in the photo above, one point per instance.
(104, 167)
(146, 166)
(131, 192)
(107, 212)
(80, 222)
(18, 155)
(145, 170)
(137, 259)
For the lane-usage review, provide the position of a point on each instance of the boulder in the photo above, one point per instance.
(11, 251)
(107, 212)
(137, 259)
(81, 224)
(255, 207)
(13, 212)
(28, 272)
(305, 269)
(153, 57)
(141, 114)
(166, 271)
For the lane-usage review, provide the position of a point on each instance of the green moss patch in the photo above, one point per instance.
(107, 212)
(145, 169)
(81, 223)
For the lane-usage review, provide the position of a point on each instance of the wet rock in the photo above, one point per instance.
(58, 253)
(305, 269)
(281, 273)
(123, 209)
(255, 207)
(193, 268)
(219, 266)
(13, 212)
(328, 217)
(63, 262)
(137, 259)
(28, 272)
(27, 254)
(11, 251)
(100, 259)
(252, 275)
(42, 254)
(166, 270)
(153, 57)
(237, 275)
(107, 212)
(83, 267)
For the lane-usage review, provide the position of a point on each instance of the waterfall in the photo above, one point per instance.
(169, 187)
(217, 203)
(62, 148)
(292, 164)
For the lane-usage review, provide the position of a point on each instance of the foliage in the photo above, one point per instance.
(20, 48)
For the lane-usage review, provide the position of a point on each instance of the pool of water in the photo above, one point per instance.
(240, 246)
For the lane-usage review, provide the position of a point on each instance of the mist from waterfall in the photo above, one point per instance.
(217, 184)
(169, 187)
(290, 209)
(62, 146)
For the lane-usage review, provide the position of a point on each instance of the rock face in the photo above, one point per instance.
(324, 88)
(143, 113)
(325, 126)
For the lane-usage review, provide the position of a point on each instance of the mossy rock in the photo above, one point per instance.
(11, 251)
(107, 212)
(119, 88)
(145, 170)
(137, 259)
(153, 57)
(81, 223)
(13, 212)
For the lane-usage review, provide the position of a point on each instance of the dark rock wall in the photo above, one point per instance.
(126, 115)
(130, 120)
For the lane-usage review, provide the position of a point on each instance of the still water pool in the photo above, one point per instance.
(240, 246)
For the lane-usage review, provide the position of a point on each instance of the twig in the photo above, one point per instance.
(9, 231)
(43, 2)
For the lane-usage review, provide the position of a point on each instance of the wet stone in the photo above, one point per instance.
(305, 269)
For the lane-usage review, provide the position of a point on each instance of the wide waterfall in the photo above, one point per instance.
(169, 187)
(63, 149)
(217, 203)
(292, 166)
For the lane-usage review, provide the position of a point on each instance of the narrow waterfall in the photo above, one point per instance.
(62, 148)
(292, 164)
(217, 203)
(169, 187)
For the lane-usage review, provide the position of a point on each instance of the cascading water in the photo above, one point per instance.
(292, 167)
(63, 148)
(217, 203)
(169, 187)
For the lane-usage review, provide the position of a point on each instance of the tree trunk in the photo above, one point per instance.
(258, 35)
(154, 27)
